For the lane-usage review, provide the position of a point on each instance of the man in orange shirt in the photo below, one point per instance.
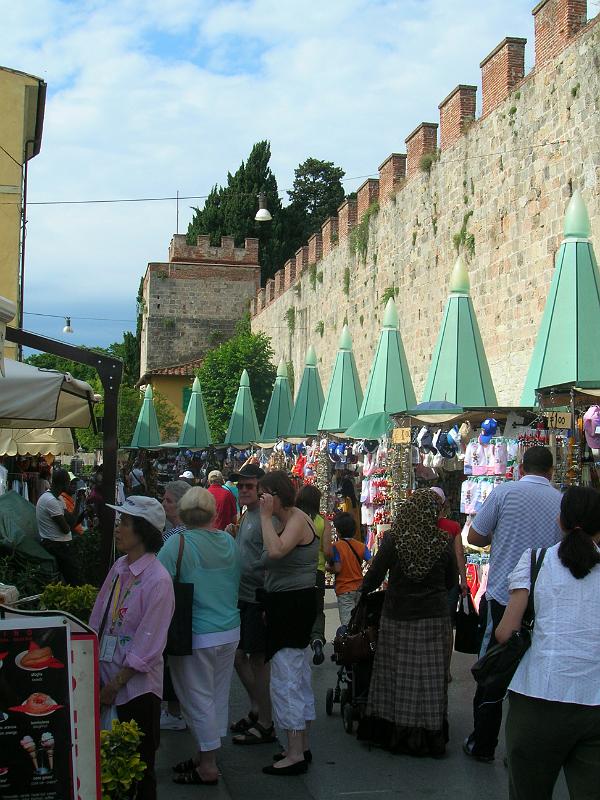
(348, 557)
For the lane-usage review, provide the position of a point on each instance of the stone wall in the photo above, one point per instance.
(193, 301)
(497, 190)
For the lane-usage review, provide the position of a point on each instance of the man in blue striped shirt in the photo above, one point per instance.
(517, 515)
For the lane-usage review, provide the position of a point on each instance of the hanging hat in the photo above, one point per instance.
(466, 433)
(446, 449)
(489, 428)
(591, 427)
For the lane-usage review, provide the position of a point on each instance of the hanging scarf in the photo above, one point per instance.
(419, 541)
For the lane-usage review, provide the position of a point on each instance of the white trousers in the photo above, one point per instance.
(292, 696)
(202, 682)
(346, 605)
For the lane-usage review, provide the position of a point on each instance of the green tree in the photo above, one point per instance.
(230, 210)
(130, 402)
(220, 376)
(316, 194)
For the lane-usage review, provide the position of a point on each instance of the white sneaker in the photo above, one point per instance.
(169, 722)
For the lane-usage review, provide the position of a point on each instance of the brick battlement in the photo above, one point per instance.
(557, 24)
(204, 253)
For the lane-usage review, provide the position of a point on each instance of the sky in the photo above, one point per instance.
(149, 98)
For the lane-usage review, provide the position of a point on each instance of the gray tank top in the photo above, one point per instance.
(296, 570)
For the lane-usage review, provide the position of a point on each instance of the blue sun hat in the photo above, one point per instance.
(287, 449)
(489, 428)
(300, 448)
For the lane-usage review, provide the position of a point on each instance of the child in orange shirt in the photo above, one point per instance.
(348, 557)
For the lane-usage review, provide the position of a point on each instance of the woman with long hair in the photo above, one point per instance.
(553, 721)
(407, 707)
(290, 561)
(308, 500)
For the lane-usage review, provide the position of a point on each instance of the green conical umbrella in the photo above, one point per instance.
(389, 387)
(195, 431)
(146, 435)
(371, 426)
(566, 350)
(243, 425)
(309, 401)
(459, 371)
(279, 412)
(344, 396)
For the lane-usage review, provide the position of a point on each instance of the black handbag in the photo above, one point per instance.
(179, 637)
(494, 671)
(467, 638)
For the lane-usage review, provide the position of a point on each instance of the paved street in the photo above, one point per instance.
(342, 766)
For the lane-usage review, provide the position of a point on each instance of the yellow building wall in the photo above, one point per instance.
(16, 114)
(171, 388)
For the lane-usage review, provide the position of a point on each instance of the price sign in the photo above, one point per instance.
(559, 420)
(401, 435)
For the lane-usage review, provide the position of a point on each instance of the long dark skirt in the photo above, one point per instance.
(407, 709)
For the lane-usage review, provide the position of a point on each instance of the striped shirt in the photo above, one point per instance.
(520, 514)
(170, 531)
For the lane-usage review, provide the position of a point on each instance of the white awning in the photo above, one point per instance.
(40, 398)
(36, 442)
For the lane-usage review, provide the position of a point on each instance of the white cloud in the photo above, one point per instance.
(149, 97)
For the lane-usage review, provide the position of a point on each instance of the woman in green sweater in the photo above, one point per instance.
(210, 561)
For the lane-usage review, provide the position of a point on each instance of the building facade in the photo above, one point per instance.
(191, 303)
(22, 102)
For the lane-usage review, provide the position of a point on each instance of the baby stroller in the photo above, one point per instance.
(354, 651)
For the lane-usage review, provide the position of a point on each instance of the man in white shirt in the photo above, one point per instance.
(54, 527)
(516, 515)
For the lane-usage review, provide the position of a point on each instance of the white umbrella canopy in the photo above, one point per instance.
(36, 442)
(39, 398)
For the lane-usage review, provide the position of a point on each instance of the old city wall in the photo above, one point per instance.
(496, 189)
(193, 301)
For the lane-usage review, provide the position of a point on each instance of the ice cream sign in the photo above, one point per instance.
(47, 679)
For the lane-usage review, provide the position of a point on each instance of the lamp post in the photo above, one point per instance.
(67, 328)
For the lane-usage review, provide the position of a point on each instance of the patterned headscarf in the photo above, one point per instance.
(419, 541)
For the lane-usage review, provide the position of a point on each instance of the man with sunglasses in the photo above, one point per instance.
(254, 673)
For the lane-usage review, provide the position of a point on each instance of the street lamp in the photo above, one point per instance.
(68, 328)
(262, 215)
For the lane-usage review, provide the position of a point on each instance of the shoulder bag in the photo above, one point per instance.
(179, 637)
(467, 638)
(494, 671)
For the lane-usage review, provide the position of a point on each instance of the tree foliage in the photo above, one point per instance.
(229, 210)
(220, 376)
(316, 194)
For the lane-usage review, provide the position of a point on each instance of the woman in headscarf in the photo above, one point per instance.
(408, 696)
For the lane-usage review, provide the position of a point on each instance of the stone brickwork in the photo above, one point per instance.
(194, 300)
(499, 194)
(501, 70)
(456, 112)
(556, 22)
(367, 194)
(392, 174)
(421, 141)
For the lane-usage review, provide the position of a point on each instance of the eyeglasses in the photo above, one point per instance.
(247, 486)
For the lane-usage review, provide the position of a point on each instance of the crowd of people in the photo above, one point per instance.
(258, 597)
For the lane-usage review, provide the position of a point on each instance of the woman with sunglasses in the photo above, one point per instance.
(290, 561)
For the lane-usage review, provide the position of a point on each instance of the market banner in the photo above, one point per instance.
(36, 725)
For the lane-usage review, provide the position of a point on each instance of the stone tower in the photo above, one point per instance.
(194, 300)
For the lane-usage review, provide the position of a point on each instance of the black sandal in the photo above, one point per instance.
(184, 766)
(256, 734)
(192, 777)
(242, 725)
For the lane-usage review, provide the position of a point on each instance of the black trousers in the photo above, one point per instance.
(543, 737)
(64, 554)
(318, 631)
(487, 706)
(145, 710)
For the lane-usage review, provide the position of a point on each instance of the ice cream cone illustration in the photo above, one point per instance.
(48, 745)
(28, 745)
